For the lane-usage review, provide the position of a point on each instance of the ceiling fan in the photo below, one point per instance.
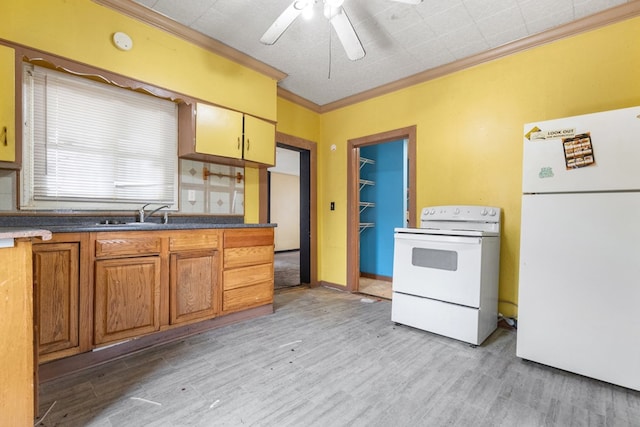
(336, 15)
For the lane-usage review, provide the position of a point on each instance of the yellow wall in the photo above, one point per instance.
(251, 196)
(298, 121)
(469, 132)
(81, 30)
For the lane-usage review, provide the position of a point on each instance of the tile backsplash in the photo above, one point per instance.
(8, 190)
(218, 193)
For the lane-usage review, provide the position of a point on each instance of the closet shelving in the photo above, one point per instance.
(364, 183)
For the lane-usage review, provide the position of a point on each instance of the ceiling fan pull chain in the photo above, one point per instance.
(329, 75)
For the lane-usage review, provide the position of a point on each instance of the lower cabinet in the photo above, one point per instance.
(194, 279)
(127, 281)
(127, 298)
(193, 286)
(56, 290)
(95, 289)
(60, 300)
(248, 268)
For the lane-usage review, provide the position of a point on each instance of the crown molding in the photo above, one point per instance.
(148, 16)
(592, 22)
(610, 16)
(296, 99)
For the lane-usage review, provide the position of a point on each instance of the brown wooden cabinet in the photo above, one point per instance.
(127, 286)
(60, 317)
(56, 282)
(98, 288)
(248, 268)
(194, 279)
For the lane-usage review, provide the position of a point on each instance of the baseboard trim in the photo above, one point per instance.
(333, 286)
(61, 367)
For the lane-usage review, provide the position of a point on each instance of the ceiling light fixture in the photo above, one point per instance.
(336, 15)
(307, 12)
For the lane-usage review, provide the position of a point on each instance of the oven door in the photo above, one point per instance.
(445, 268)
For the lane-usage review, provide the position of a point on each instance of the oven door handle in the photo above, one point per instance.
(439, 238)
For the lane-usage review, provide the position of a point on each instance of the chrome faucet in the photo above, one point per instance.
(142, 215)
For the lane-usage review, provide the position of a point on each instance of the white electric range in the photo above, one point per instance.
(445, 273)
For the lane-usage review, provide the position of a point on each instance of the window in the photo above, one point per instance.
(90, 145)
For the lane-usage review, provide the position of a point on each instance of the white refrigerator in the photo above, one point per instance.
(579, 287)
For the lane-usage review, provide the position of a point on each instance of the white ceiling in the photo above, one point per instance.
(399, 39)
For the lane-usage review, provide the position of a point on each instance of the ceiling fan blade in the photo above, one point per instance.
(346, 33)
(283, 21)
(408, 1)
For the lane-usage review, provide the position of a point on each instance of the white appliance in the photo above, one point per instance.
(445, 273)
(579, 290)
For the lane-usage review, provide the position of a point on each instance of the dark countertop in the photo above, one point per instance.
(141, 226)
(90, 223)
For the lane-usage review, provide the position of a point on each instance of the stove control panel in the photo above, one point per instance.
(463, 213)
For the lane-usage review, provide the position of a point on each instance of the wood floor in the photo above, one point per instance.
(286, 266)
(326, 358)
(374, 287)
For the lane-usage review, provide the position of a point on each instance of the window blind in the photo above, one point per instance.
(92, 145)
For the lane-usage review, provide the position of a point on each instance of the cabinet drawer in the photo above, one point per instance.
(248, 237)
(247, 276)
(240, 257)
(247, 296)
(127, 246)
(195, 240)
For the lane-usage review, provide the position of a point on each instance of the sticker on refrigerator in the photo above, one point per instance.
(578, 151)
(536, 134)
(546, 172)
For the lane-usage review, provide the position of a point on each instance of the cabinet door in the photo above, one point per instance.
(56, 283)
(7, 105)
(193, 286)
(259, 141)
(127, 298)
(218, 131)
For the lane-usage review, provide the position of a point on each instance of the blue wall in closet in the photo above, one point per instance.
(388, 194)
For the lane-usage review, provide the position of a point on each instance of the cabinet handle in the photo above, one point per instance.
(4, 133)
(238, 143)
(248, 144)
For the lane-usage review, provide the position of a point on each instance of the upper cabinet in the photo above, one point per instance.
(218, 131)
(259, 141)
(216, 134)
(7, 105)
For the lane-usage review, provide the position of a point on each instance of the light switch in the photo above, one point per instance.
(191, 195)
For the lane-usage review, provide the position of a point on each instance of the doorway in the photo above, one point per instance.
(355, 160)
(295, 257)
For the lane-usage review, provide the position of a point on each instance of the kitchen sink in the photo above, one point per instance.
(110, 223)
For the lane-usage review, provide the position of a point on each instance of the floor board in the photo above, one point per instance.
(375, 287)
(326, 358)
(286, 266)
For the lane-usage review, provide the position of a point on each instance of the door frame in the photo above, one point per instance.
(353, 194)
(304, 144)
